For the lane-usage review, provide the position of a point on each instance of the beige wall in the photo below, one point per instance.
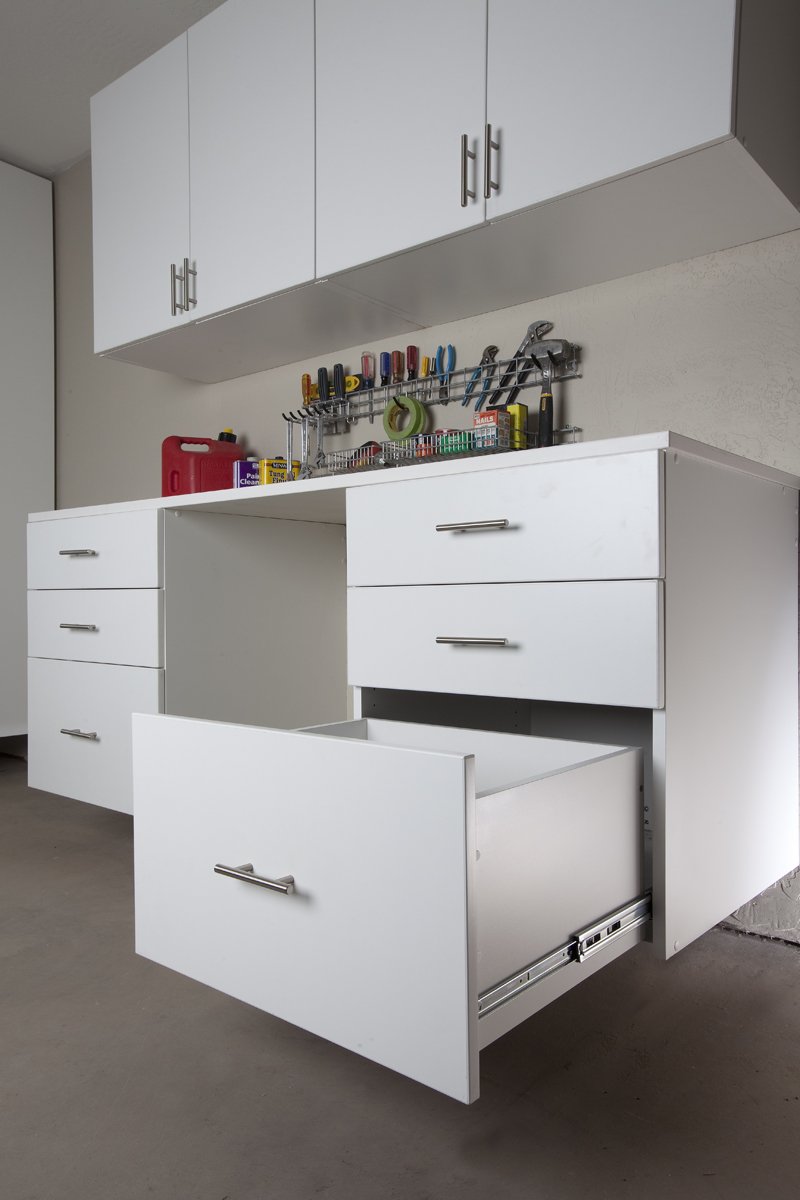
(709, 348)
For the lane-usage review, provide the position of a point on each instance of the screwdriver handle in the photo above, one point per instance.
(305, 387)
(368, 369)
(386, 367)
(322, 384)
(397, 366)
(338, 381)
(412, 361)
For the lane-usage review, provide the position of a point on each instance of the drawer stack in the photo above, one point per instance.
(95, 617)
(539, 584)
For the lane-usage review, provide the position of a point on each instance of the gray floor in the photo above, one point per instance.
(121, 1080)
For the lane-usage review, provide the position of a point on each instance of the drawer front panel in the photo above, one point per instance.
(362, 815)
(113, 550)
(98, 625)
(88, 698)
(360, 953)
(586, 643)
(597, 518)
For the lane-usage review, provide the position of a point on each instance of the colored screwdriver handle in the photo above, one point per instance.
(322, 383)
(426, 367)
(368, 369)
(397, 366)
(412, 361)
(305, 386)
(386, 367)
(339, 388)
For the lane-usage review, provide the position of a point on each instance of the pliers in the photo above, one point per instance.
(445, 361)
(487, 368)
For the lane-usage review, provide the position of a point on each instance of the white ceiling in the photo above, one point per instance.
(55, 54)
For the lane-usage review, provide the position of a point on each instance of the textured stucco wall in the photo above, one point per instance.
(709, 348)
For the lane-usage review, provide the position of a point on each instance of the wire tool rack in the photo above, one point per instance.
(486, 387)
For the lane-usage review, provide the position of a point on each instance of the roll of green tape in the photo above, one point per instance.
(403, 406)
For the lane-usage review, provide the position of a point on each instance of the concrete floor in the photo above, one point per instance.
(122, 1081)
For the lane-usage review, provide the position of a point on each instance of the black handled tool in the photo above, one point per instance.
(519, 367)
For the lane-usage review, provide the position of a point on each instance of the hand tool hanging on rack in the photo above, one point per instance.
(546, 402)
(322, 385)
(306, 388)
(486, 368)
(445, 362)
(368, 375)
(397, 366)
(339, 391)
(386, 368)
(412, 362)
(519, 367)
(289, 446)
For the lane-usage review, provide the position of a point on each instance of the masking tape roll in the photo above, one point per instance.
(396, 410)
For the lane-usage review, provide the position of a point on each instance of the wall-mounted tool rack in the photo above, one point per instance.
(480, 388)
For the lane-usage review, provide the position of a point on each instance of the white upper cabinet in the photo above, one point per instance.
(251, 104)
(579, 92)
(203, 156)
(140, 197)
(398, 86)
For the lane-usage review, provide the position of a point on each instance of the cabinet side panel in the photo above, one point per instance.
(768, 89)
(726, 825)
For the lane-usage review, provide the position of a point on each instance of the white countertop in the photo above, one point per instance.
(323, 498)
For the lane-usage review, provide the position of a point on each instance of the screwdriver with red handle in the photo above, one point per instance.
(412, 361)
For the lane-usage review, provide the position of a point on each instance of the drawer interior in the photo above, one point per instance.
(558, 833)
(502, 760)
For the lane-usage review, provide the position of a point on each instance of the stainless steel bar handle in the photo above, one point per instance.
(284, 884)
(173, 280)
(79, 553)
(467, 526)
(466, 155)
(471, 641)
(188, 299)
(489, 185)
(69, 625)
(91, 737)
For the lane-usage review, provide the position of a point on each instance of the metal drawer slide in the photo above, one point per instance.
(583, 945)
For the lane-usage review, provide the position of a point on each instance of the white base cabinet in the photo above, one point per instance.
(574, 684)
(426, 865)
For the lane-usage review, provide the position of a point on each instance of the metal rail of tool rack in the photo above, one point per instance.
(339, 416)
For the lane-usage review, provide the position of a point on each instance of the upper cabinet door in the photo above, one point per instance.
(397, 87)
(251, 103)
(579, 92)
(140, 198)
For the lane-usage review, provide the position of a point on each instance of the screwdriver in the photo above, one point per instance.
(412, 361)
(397, 366)
(323, 388)
(368, 369)
(305, 387)
(386, 367)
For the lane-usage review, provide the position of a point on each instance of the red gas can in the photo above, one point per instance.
(190, 464)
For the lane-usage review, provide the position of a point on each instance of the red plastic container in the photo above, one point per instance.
(190, 464)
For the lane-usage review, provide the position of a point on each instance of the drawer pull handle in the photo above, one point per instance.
(471, 641)
(90, 737)
(285, 884)
(69, 625)
(469, 526)
(79, 553)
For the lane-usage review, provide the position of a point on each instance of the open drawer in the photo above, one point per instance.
(407, 891)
